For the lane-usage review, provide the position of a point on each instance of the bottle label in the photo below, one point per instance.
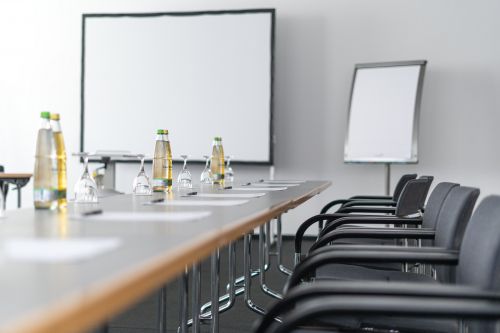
(162, 182)
(61, 194)
(218, 176)
(44, 195)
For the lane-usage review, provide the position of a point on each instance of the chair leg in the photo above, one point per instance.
(279, 245)
(196, 300)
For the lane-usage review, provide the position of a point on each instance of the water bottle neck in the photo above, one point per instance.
(162, 137)
(56, 126)
(45, 124)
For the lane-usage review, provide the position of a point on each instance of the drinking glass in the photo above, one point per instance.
(85, 187)
(184, 180)
(229, 174)
(141, 184)
(206, 175)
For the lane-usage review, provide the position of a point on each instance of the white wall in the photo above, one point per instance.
(317, 44)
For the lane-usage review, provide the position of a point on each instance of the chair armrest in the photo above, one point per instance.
(371, 197)
(369, 210)
(305, 292)
(333, 203)
(353, 254)
(435, 307)
(299, 235)
(375, 233)
(416, 221)
(365, 203)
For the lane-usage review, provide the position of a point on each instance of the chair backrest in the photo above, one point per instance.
(412, 197)
(401, 184)
(435, 203)
(451, 224)
(430, 179)
(479, 259)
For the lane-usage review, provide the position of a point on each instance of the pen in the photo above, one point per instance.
(228, 187)
(192, 193)
(157, 200)
(92, 212)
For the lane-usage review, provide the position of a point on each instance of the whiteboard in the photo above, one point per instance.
(384, 113)
(197, 74)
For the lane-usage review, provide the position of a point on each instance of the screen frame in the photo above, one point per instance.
(416, 114)
(271, 11)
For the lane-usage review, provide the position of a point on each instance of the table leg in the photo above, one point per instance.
(196, 298)
(183, 301)
(262, 264)
(18, 195)
(279, 245)
(215, 269)
(162, 310)
(247, 263)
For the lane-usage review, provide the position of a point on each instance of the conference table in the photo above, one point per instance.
(70, 270)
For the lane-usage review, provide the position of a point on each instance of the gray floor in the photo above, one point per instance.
(142, 317)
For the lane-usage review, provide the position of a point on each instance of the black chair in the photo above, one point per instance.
(379, 200)
(406, 307)
(410, 202)
(447, 236)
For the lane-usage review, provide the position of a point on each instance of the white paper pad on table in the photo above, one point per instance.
(271, 185)
(199, 203)
(283, 181)
(230, 195)
(250, 188)
(143, 217)
(57, 250)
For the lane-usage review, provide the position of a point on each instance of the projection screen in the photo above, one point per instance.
(384, 113)
(197, 74)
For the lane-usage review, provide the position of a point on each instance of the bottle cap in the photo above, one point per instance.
(162, 131)
(45, 114)
(55, 116)
(218, 138)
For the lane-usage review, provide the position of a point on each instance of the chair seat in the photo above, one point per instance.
(353, 272)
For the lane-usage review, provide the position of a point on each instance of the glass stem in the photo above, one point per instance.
(142, 165)
(86, 164)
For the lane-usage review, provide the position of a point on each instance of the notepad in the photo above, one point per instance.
(283, 181)
(272, 185)
(57, 250)
(188, 202)
(144, 217)
(249, 188)
(230, 195)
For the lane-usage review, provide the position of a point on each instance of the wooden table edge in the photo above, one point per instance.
(77, 313)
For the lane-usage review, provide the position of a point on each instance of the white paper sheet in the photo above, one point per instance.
(283, 181)
(57, 250)
(271, 185)
(250, 188)
(230, 195)
(188, 202)
(144, 217)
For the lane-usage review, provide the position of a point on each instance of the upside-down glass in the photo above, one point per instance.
(206, 175)
(229, 174)
(184, 180)
(85, 187)
(141, 184)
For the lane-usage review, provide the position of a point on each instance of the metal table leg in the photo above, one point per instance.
(262, 262)
(247, 263)
(196, 298)
(183, 301)
(279, 245)
(215, 263)
(162, 310)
